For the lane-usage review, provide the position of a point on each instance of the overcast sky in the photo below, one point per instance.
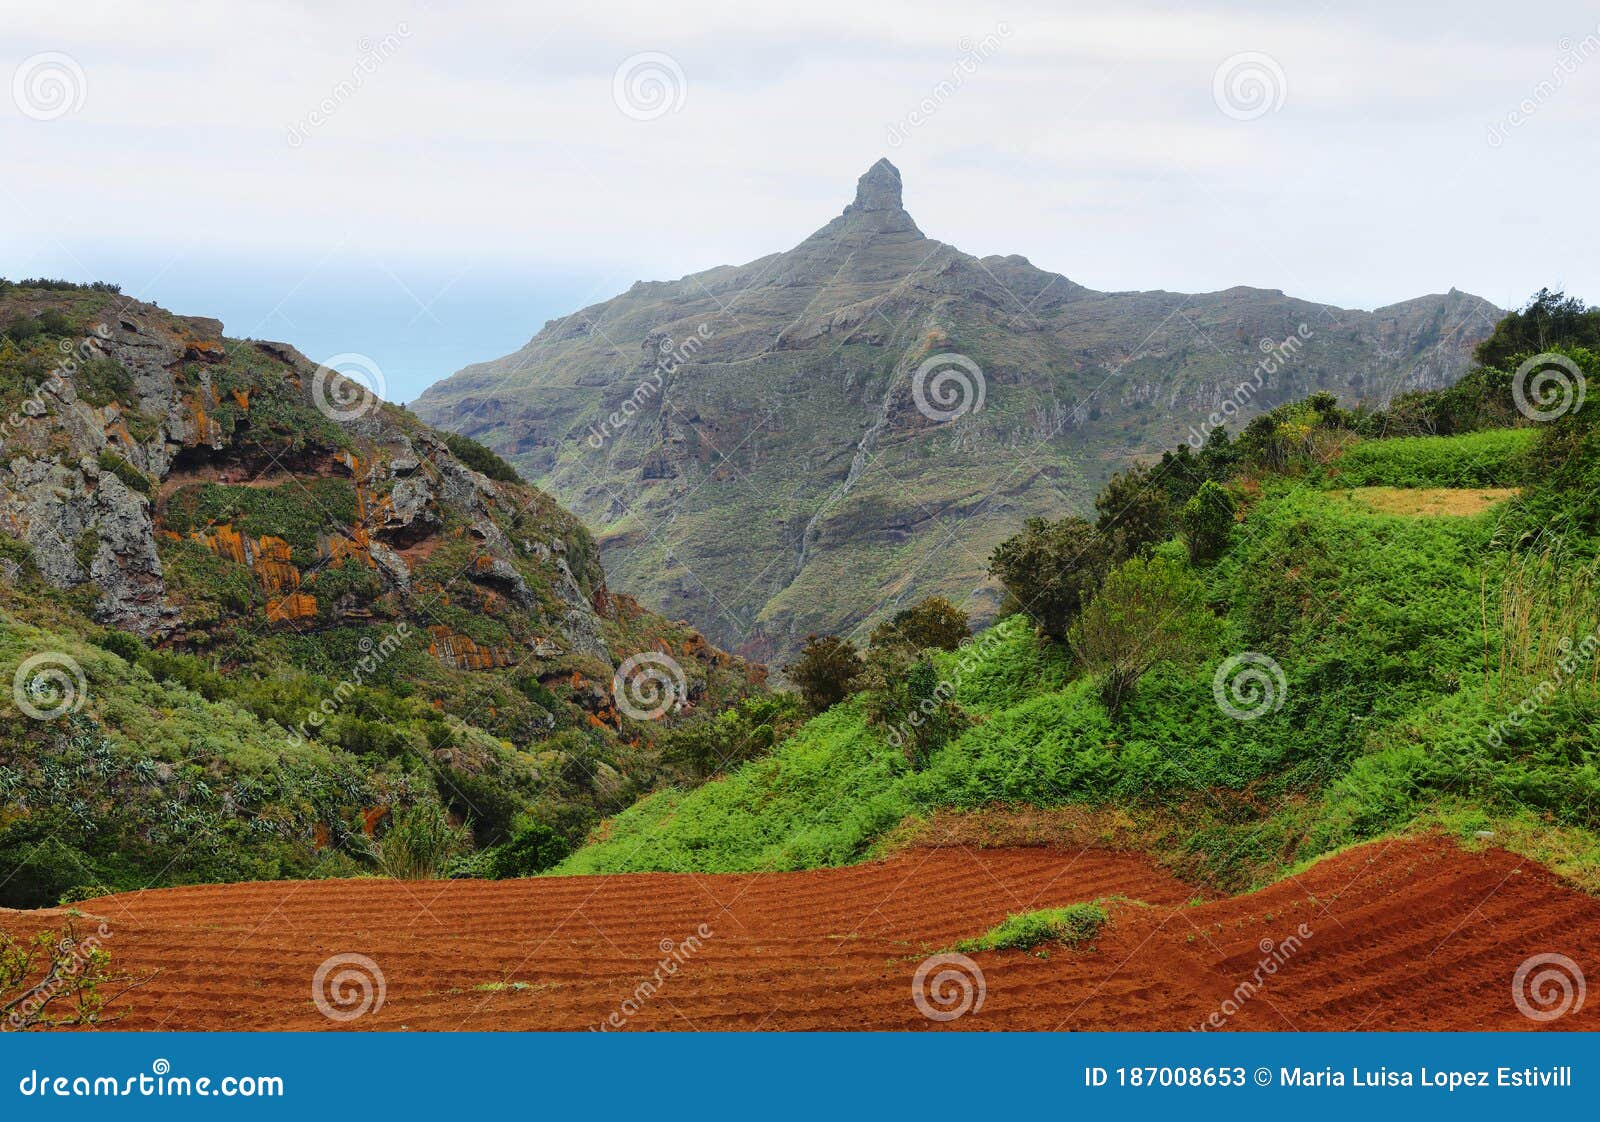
(428, 184)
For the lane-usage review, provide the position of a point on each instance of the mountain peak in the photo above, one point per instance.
(877, 208)
(878, 188)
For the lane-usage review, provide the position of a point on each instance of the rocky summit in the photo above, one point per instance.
(819, 437)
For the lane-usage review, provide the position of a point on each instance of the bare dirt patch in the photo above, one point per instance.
(1428, 502)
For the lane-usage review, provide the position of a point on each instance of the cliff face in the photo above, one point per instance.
(216, 495)
(816, 438)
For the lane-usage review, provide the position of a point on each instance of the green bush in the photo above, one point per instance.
(1074, 925)
(123, 470)
(826, 672)
(1051, 569)
(1494, 458)
(530, 851)
(480, 459)
(1207, 521)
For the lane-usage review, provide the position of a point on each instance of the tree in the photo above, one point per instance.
(934, 624)
(826, 671)
(530, 852)
(1134, 514)
(53, 979)
(733, 737)
(1207, 520)
(910, 703)
(1051, 569)
(1548, 320)
(1149, 611)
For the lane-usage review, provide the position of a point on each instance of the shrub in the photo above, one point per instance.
(910, 704)
(1207, 522)
(1548, 320)
(1074, 925)
(480, 459)
(1051, 569)
(1134, 514)
(530, 852)
(710, 747)
(123, 644)
(934, 624)
(53, 979)
(826, 671)
(123, 470)
(1149, 611)
(419, 845)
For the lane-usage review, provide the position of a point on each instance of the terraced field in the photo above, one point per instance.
(1415, 934)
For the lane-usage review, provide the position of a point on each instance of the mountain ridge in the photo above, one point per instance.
(799, 422)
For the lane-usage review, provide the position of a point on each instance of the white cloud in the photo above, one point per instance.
(1088, 139)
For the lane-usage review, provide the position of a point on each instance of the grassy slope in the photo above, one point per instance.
(1377, 624)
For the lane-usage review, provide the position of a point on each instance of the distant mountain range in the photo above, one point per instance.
(819, 437)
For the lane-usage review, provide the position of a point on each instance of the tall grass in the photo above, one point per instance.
(1548, 610)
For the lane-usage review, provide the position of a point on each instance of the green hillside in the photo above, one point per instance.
(257, 623)
(1397, 667)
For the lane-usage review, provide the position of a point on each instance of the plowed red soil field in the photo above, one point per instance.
(1394, 935)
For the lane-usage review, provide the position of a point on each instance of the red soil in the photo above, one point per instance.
(1403, 935)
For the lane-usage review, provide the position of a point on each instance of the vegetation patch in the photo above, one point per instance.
(1428, 502)
(1074, 925)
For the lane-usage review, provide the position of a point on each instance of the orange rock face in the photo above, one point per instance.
(268, 558)
(460, 652)
(286, 609)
